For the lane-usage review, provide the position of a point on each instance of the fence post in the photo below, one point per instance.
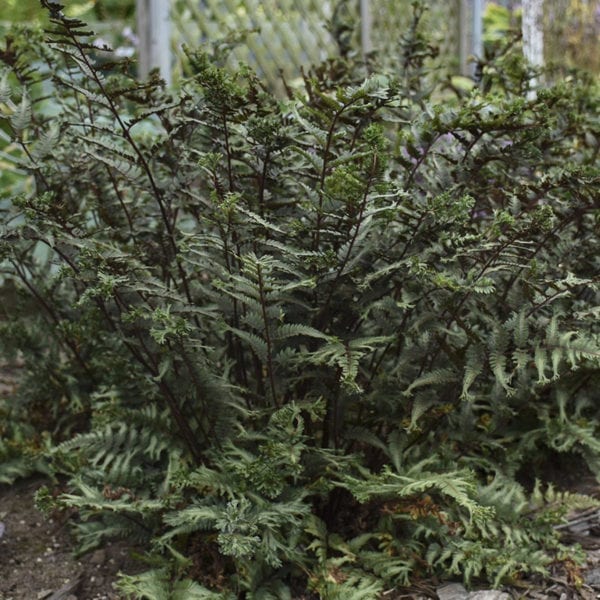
(477, 43)
(470, 33)
(154, 32)
(463, 37)
(533, 37)
(366, 26)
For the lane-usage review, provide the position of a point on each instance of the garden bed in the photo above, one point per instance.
(37, 560)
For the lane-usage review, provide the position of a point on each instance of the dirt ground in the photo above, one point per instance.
(36, 555)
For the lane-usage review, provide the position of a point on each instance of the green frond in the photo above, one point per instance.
(96, 499)
(433, 378)
(22, 115)
(46, 142)
(473, 368)
(289, 330)
(549, 498)
(458, 486)
(159, 585)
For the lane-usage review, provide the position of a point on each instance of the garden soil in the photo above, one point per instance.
(37, 560)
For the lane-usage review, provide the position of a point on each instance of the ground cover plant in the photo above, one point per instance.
(323, 343)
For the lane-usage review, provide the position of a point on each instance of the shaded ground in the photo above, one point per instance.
(36, 555)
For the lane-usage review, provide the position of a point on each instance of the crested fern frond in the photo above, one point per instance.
(458, 485)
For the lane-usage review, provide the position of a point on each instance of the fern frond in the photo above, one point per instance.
(159, 585)
(21, 117)
(473, 368)
(433, 378)
(458, 486)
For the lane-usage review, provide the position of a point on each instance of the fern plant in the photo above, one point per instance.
(310, 343)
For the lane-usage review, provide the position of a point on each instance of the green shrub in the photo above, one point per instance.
(320, 343)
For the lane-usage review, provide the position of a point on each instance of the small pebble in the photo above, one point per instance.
(98, 557)
(592, 578)
(452, 591)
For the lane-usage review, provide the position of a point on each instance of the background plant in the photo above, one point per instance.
(328, 341)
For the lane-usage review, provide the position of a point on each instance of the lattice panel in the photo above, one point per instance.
(282, 34)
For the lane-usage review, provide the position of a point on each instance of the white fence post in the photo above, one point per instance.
(463, 37)
(533, 36)
(366, 26)
(477, 42)
(470, 33)
(154, 32)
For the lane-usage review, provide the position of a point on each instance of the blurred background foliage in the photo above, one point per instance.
(573, 32)
(30, 10)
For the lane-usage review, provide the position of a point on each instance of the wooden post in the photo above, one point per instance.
(154, 32)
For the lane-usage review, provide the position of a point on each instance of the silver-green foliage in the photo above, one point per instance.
(311, 342)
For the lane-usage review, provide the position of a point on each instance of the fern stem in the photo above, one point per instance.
(263, 306)
(119, 195)
(208, 436)
(228, 152)
(419, 162)
(263, 181)
(321, 190)
(338, 275)
(125, 130)
(70, 345)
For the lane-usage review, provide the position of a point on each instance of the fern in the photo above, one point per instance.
(323, 342)
(158, 585)
(457, 485)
